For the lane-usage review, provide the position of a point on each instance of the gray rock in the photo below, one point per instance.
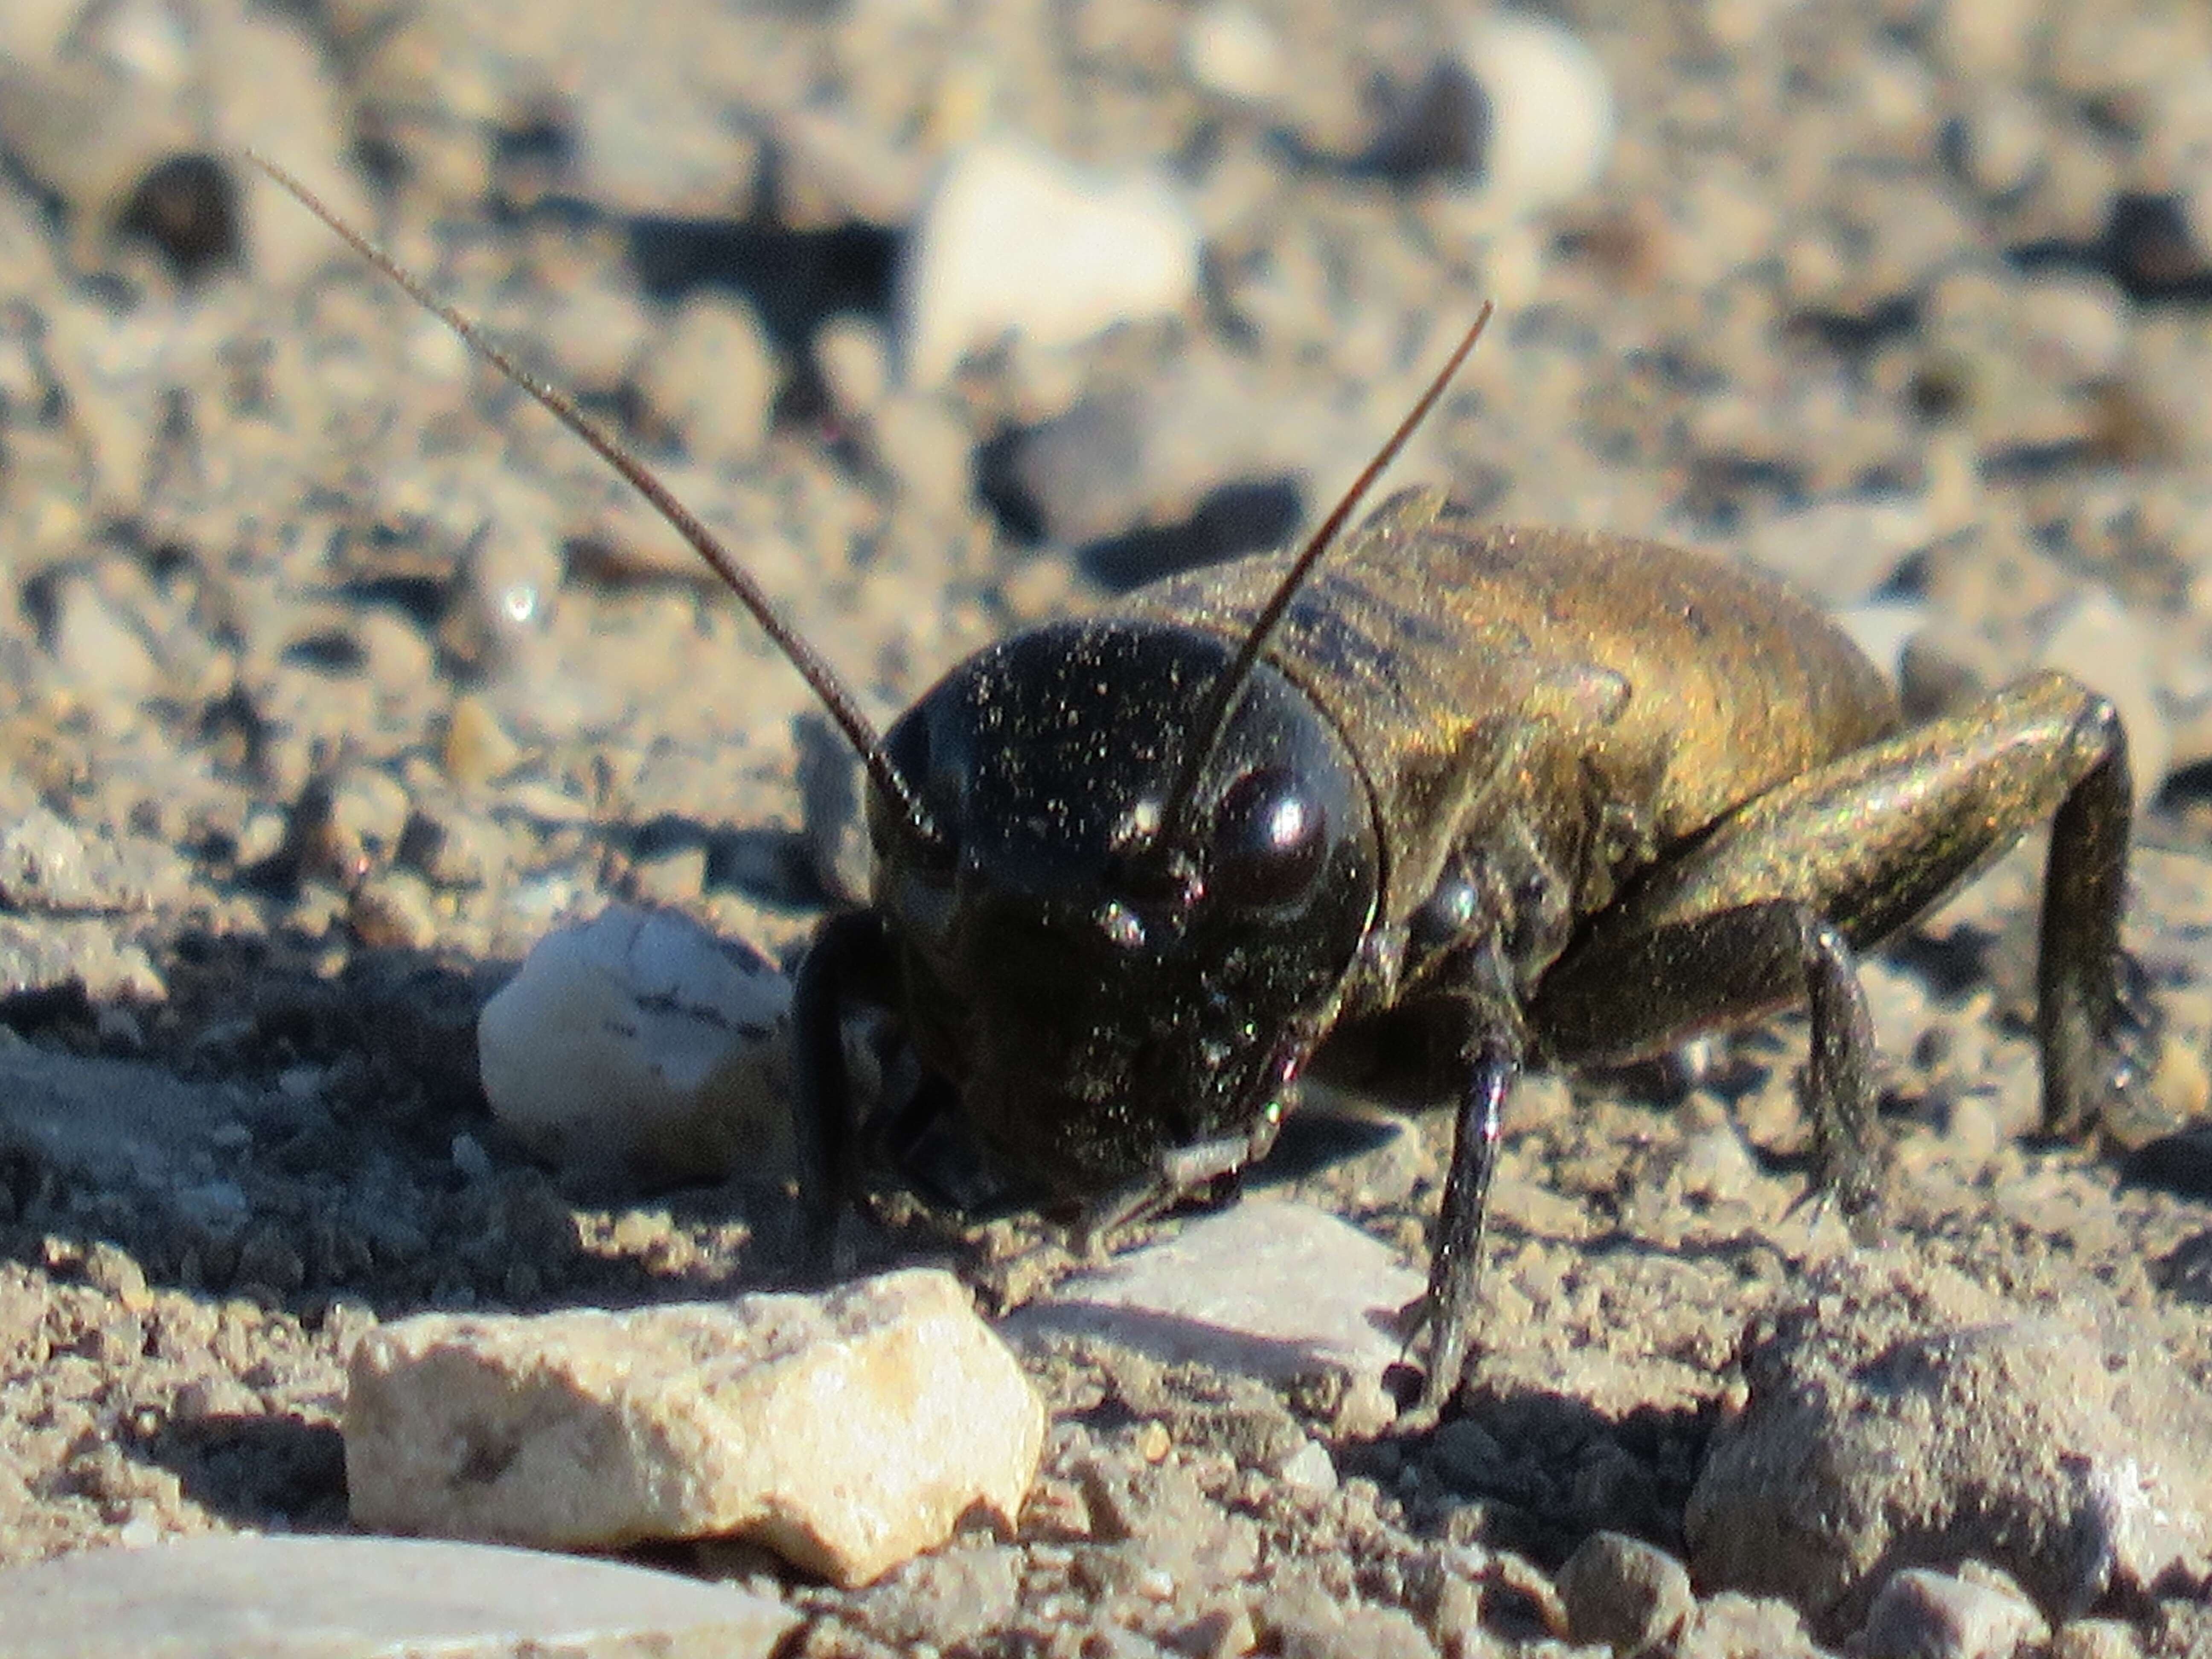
(1883, 629)
(1270, 1288)
(1900, 1416)
(1309, 1468)
(959, 1595)
(847, 1432)
(1129, 456)
(1320, 1630)
(1631, 1595)
(369, 1598)
(1921, 1614)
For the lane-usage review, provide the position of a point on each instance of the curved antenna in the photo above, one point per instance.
(1228, 685)
(818, 673)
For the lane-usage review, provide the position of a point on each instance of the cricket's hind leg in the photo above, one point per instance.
(1765, 912)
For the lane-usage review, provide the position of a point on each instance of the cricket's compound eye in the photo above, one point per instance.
(1270, 839)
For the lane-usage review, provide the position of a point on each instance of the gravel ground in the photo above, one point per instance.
(337, 674)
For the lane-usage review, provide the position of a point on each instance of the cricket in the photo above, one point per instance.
(1417, 805)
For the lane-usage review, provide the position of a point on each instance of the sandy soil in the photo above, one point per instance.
(340, 673)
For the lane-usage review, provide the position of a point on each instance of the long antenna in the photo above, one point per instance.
(818, 673)
(1229, 686)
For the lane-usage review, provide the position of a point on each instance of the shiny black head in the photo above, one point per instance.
(1099, 985)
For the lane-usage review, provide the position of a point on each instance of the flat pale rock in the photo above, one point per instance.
(118, 1124)
(847, 1432)
(369, 1598)
(1267, 1287)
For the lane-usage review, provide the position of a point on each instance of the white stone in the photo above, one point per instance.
(1552, 114)
(847, 1432)
(640, 1042)
(1016, 241)
(1269, 1287)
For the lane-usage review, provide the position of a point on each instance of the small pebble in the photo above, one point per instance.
(1310, 1469)
(595, 329)
(1998, 144)
(855, 361)
(393, 911)
(476, 748)
(100, 649)
(2096, 1639)
(1716, 1164)
(470, 1159)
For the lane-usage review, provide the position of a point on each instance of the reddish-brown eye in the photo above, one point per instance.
(1270, 836)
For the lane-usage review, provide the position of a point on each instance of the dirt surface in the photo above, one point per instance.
(335, 674)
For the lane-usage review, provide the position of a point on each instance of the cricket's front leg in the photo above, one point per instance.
(848, 965)
(1764, 911)
(1459, 1034)
(1490, 1063)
